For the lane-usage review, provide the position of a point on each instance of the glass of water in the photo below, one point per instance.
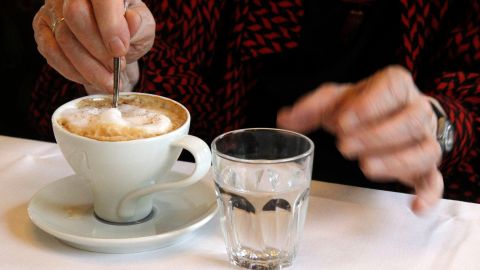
(262, 179)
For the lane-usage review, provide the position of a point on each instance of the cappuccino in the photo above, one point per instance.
(136, 117)
(127, 153)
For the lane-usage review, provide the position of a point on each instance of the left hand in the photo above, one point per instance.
(383, 121)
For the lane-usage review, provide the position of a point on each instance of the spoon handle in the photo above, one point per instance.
(116, 80)
(116, 70)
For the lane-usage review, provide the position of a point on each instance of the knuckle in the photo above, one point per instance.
(36, 20)
(370, 169)
(367, 169)
(41, 50)
(399, 72)
(394, 93)
(390, 83)
(400, 80)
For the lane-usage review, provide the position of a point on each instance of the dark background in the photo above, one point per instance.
(20, 64)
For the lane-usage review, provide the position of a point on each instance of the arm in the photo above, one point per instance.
(390, 128)
(457, 88)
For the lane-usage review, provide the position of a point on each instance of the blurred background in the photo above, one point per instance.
(20, 64)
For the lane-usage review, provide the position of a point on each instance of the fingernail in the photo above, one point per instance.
(348, 121)
(419, 206)
(117, 47)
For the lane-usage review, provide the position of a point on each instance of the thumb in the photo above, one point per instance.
(313, 110)
(134, 21)
(112, 25)
(140, 20)
(141, 25)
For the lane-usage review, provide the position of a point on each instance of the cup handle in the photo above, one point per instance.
(203, 159)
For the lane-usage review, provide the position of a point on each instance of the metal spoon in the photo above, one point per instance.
(116, 71)
(116, 81)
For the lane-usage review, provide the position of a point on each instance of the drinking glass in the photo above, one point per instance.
(262, 180)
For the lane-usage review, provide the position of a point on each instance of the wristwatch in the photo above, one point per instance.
(445, 133)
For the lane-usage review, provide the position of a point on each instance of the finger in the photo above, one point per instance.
(408, 126)
(48, 48)
(403, 164)
(54, 9)
(124, 81)
(80, 19)
(142, 30)
(310, 112)
(93, 90)
(383, 94)
(112, 25)
(90, 69)
(429, 190)
(134, 17)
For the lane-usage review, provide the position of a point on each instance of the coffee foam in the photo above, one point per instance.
(136, 117)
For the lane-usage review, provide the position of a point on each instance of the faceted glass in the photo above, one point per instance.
(262, 179)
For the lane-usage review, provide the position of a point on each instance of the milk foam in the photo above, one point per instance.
(148, 121)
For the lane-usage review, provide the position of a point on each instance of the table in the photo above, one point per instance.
(346, 228)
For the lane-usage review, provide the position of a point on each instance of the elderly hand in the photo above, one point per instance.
(383, 121)
(81, 46)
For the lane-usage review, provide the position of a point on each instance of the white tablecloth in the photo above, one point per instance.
(346, 228)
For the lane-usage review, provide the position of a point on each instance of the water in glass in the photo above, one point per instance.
(264, 209)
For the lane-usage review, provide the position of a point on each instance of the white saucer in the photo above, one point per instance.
(64, 209)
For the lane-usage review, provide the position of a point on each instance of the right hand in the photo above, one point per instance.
(93, 32)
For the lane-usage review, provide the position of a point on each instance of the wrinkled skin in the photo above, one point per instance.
(93, 32)
(385, 122)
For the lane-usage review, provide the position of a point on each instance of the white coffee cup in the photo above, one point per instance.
(123, 175)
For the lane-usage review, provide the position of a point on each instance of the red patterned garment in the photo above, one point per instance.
(206, 53)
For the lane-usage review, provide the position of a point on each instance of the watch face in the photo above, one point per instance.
(445, 135)
(449, 137)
